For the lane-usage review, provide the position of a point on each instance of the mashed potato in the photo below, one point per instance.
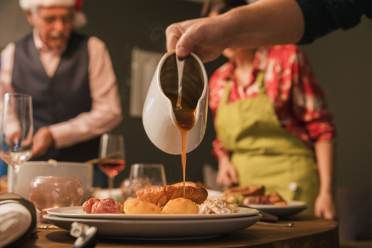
(136, 206)
(180, 206)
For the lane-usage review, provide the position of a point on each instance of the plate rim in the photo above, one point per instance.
(144, 221)
(227, 225)
(291, 205)
(246, 212)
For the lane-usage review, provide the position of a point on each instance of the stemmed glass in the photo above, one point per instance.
(154, 174)
(111, 156)
(144, 175)
(16, 132)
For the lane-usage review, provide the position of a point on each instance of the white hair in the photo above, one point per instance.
(32, 5)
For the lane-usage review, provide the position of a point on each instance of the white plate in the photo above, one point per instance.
(293, 207)
(77, 212)
(159, 228)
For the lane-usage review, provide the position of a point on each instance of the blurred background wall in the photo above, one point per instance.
(341, 61)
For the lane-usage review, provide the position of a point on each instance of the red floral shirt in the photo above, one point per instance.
(290, 85)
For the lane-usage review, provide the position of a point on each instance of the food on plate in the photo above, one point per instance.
(87, 205)
(177, 198)
(217, 206)
(104, 206)
(238, 194)
(276, 199)
(154, 194)
(160, 195)
(137, 206)
(180, 206)
(246, 190)
(254, 194)
(272, 198)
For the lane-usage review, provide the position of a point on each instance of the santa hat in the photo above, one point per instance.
(80, 19)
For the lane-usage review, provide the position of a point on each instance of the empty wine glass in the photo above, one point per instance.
(16, 132)
(144, 175)
(111, 156)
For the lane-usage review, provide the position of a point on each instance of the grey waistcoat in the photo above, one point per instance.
(58, 98)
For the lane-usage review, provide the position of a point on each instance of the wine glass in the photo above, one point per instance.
(16, 132)
(144, 175)
(111, 157)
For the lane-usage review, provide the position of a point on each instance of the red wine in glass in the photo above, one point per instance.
(111, 167)
(111, 157)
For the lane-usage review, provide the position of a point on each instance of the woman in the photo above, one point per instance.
(272, 125)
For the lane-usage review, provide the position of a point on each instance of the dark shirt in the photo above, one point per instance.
(324, 16)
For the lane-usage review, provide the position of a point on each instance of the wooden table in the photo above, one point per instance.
(305, 233)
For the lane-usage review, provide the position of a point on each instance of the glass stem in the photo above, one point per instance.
(110, 185)
(14, 175)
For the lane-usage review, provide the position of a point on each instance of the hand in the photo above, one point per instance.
(227, 175)
(255, 25)
(324, 206)
(43, 140)
(12, 138)
(204, 36)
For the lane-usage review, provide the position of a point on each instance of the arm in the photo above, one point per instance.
(310, 109)
(6, 70)
(324, 205)
(264, 22)
(261, 23)
(227, 175)
(324, 157)
(106, 110)
(216, 90)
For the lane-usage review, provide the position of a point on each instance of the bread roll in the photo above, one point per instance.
(180, 206)
(137, 206)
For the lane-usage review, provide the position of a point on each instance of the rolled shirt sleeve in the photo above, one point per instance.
(309, 104)
(324, 16)
(6, 68)
(217, 86)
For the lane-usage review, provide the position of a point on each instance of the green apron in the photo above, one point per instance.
(262, 151)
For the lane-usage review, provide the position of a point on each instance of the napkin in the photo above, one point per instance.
(17, 218)
(84, 234)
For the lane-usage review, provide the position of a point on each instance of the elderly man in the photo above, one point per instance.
(70, 78)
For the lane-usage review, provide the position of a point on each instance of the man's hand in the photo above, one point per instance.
(202, 36)
(43, 140)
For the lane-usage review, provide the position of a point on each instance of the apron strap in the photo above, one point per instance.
(226, 93)
(260, 81)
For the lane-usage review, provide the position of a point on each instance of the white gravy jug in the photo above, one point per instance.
(159, 118)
